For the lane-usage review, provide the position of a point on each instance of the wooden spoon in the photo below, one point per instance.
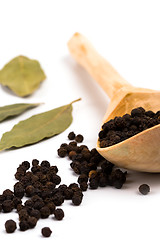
(142, 151)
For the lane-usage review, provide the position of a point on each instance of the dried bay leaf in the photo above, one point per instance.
(38, 127)
(22, 75)
(15, 110)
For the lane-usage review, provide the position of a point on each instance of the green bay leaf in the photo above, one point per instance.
(38, 127)
(22, 75)
(14, 110)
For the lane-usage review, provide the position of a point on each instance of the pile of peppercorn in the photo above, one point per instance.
(40, 187)
(121, 128)
(93, 170)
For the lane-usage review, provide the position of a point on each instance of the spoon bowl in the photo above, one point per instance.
(140, 152)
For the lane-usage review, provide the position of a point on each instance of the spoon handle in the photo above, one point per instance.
(85, 54)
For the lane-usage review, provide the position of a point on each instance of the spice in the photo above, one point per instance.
(45, 212)
(10, 226)
(32, 221)
(83, 186)
(76, 199)
(144, 189)
(93, 169)
(35, 213)
(7, 206)
(94, 183)
(19, 190)
(79, 138)
(71, 136)
(23, 225)
(121, 128)
(46, 232)
(62, 152)
(59, 214)
(82, 178)
(40, 186)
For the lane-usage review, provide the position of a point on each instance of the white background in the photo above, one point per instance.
(127, 34)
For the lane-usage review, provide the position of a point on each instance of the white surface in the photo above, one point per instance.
(126, 33)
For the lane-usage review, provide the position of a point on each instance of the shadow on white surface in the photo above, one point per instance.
(87, 84)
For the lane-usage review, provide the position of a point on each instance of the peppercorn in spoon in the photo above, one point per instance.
(140, 152)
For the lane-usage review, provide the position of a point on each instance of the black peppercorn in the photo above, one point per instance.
(82, 178)
(73, 144)
(38, 204)
(35, 162)
(144, 189)
(32, 221)
(29, 203)
(7, 206)
(117, 178)
(72, 154)
(30, 191)
(83, 186)
(16, 201)
(71, 136)
(56, 179)
(76, 199)
(93, 183)
(45, 163)
(122, 128)
(19, 190)
(19, 207)
(8, 194)
(2, 198)
(51, 207)
(59, 214)
(137, 112)
(45, 212)
(103, 181)
(23, 214)
(35, 213)
(46, 232)
(79, 138)
(23, 225)
(62, 152)
(58, 199)
(68, 193)
(26, 165)
(10, 226)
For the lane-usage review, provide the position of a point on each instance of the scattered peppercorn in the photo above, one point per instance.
(10, 226)
(59, 214)
(23, 225)
(35, 213)
(19, 190)
(93, 183)
(71, 136)
(45, 212)
(35, 162)
(85, 163)
(83, 186)
(76, 199)
(79, 138)
(32, 221)
(7, 206)
(62, 152)
(46, 232)
(144, 189)
(40, 184)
